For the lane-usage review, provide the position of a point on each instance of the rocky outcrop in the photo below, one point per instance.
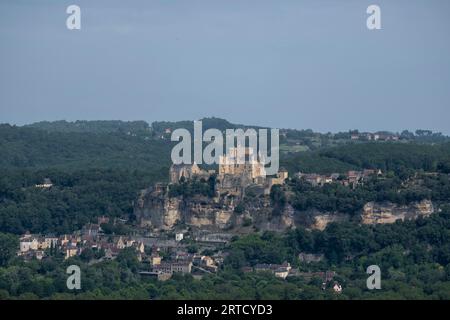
(374, 213)
(156, 209)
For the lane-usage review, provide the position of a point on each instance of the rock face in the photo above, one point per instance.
(374, 213)
(322, 220)
(377, 213)
(157, 210)
(154, 208)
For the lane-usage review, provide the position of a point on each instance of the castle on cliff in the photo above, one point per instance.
(233, 177)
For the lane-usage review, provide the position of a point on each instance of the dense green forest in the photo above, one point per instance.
(34, 148)
(76, 198)
(101, 126)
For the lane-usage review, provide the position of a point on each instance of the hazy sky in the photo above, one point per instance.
(281, 63)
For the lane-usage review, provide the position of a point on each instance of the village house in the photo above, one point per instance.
(155, 259)
(352, 177)
(140, 247)
(28, 242)
(181, 255)
(337, 288)
(71, 251)
(279, 270)
(326, 276)
(205, 262)
(120, 244)
(181, 267)
(129, 242)
(282, 272)
(173, 267)
(179, 236)
(208, 261)
(317, 179)
(45, 185)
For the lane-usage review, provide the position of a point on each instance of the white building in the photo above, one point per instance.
(179, 236)
(46, 184)
(28, 243)
(337, 288)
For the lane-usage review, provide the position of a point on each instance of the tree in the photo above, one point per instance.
(9, 245)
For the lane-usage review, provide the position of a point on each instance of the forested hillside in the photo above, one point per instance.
(34, 148)
(94, 172)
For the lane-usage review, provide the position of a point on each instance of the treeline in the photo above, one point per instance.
(95, 126)
(392, 156)
(207, 123)
(34, 148)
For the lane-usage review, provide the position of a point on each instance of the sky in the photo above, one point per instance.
(279, 63)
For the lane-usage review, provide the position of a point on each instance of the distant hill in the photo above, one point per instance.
(109, 126)
(28, 147)
(160, 127)
(97, 126)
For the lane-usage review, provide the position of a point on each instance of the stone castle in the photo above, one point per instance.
(232, 178)
(155, 207)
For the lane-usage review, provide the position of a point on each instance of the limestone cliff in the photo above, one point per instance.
(156, 209)
(389, 213)
(376, 213)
